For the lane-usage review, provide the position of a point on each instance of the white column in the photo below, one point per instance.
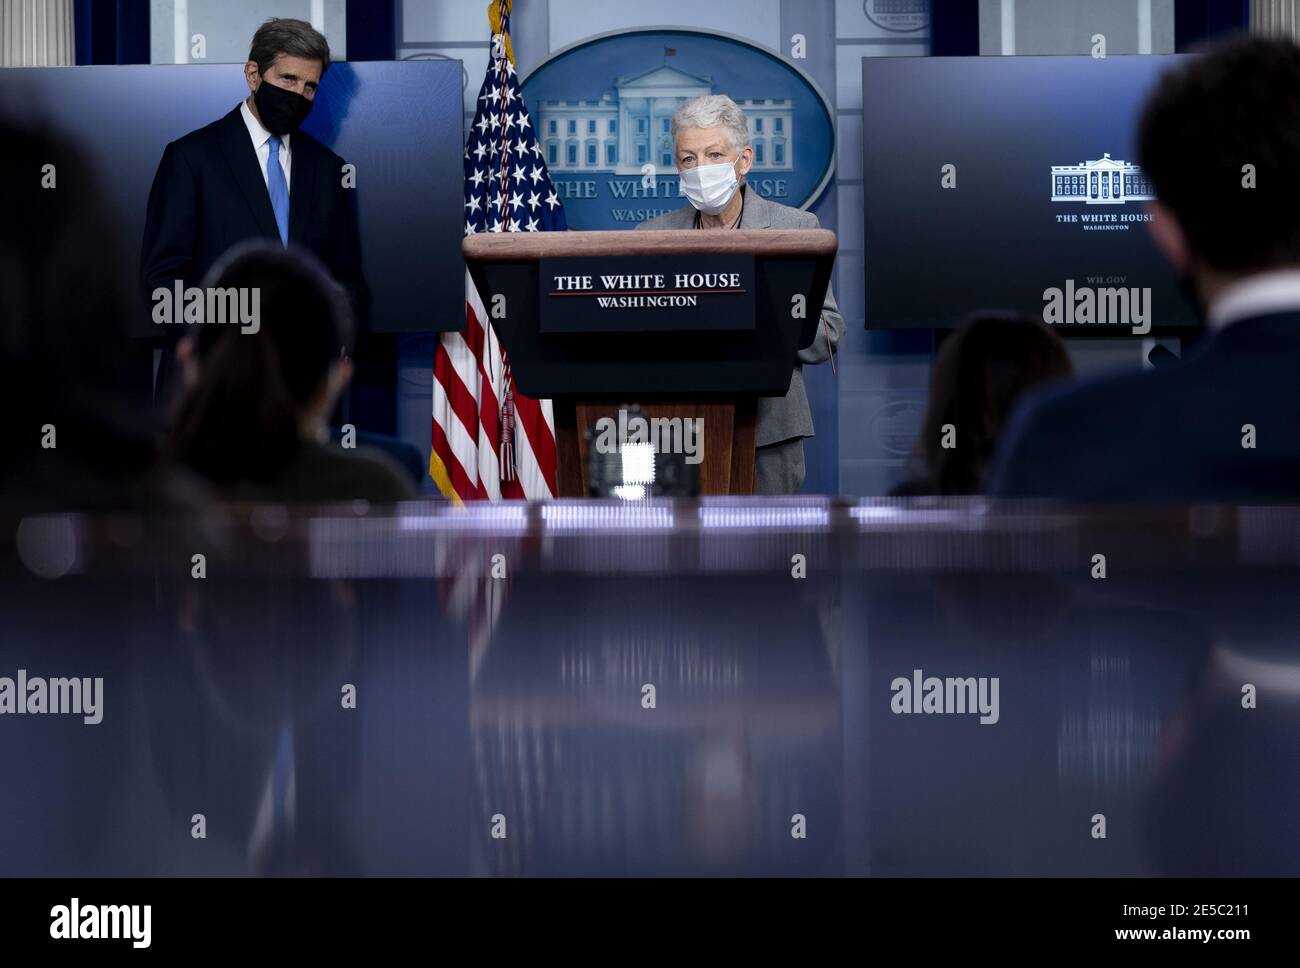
(1144, 26)
(622, 134)
(180, 32)
(652, 115)
(1275, 17)
(36, 33)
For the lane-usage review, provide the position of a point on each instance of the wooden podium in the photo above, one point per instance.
(730, 346)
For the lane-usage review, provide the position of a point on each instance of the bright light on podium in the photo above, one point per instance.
(630, 492)
(638, 463)
(631, 458)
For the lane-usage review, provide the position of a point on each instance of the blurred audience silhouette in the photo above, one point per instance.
(1220, 140)
(66, 307)
(979, 374)
(252, 416)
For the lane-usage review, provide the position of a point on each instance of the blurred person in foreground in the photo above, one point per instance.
(75, 440)
(255, 401)
(1219, 139)
(980, 373)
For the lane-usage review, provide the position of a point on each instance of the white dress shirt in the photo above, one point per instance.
(1262, 294)
(262, 144)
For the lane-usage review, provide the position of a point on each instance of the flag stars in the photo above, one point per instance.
(506, 182)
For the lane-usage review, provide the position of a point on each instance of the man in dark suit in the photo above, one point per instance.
(1220, 141)
(254, 174)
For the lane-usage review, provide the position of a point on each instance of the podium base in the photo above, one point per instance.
(727, 465)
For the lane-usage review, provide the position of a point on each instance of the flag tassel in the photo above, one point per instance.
(507, 455)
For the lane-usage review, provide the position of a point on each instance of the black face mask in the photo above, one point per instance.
(280, 111)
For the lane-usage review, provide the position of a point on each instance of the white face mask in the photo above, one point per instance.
(710, 187)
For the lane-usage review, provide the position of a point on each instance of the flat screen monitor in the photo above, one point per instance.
(1011, 183)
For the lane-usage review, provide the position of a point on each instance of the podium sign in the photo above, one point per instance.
(628, 294)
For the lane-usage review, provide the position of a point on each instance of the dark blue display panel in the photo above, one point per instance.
(1038, 145)
(399, 123)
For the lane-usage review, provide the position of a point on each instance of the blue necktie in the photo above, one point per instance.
(278, 188)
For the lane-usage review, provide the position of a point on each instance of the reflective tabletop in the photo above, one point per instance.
(743, 686)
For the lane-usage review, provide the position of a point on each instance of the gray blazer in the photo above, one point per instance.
(779, 418)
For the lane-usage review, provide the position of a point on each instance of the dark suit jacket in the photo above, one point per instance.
(1170, 434)
(209, 194)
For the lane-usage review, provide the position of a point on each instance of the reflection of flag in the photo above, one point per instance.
(489, 441)
(670, 51)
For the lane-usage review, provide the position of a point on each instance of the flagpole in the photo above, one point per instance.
(489, 440)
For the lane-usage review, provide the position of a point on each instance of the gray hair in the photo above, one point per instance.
(713, 111)
(284, 35)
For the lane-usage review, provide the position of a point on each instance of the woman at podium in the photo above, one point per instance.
(711, 145)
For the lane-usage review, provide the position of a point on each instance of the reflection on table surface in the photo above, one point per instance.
(790, 686)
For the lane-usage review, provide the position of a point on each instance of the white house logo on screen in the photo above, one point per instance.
(627, 127)
(898, 16)
(1105, 181)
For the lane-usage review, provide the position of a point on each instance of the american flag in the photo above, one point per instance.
(489, 441)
